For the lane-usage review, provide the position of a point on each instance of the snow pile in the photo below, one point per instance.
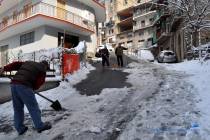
(81, 47)
(145, 55)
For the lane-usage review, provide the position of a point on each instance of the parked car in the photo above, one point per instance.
(167, 56)
(145, 54)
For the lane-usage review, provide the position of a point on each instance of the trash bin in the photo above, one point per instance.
(71, 63)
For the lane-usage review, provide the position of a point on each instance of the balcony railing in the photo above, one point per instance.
(142, 2)
(120, 6)
(145, 13)
(47, 10)
(142, 26)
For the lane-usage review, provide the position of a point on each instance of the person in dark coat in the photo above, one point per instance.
(105, 56)
(29, 77)
(119, 54)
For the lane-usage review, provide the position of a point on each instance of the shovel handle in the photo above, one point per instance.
(44, 97)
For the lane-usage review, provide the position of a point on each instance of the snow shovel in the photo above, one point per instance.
(55, 104)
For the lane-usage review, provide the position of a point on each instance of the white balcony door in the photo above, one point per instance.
(4, 55)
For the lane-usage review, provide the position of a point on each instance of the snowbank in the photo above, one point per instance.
(199, 77)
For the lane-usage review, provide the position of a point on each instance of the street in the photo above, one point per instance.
(152, 104)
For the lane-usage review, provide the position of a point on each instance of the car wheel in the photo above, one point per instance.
(158, 59)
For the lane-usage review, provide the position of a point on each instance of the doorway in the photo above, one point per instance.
(4, 55)
(70, 41)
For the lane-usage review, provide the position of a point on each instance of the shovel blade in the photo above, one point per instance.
(56, 105)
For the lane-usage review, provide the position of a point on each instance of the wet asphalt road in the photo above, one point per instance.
(101, 78)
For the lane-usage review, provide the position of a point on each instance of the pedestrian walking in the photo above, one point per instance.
(105, 56)
(119, 54)
(29, 77)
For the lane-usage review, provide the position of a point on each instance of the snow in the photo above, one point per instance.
(145, 55)
(199, 77)
(162, 103)
(81, 47)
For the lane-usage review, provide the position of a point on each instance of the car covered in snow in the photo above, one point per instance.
(166, 56)
(145, 54)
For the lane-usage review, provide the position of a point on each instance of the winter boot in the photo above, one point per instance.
(24, 130)
(46, 126)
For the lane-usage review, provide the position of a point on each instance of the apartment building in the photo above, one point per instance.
(143, 28)
(31, 25)
(124, 23)
(109, 25)
(133, 23)
(169, 32)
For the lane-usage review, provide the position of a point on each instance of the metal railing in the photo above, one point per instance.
(47, 10)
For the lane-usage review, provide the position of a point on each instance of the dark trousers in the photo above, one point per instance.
(120, 60)
(105, 60)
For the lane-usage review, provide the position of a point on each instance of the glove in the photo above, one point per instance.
(1, 71)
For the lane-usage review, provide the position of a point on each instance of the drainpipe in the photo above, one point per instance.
(199, 36)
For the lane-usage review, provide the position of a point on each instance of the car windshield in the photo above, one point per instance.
(168, 53)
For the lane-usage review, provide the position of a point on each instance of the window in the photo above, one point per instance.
(112, 31)
(150, 31)
(129, 43)
(27, 38)
(141, 40)
(149, 42)
(130, 35)
(125, 2)
(111, 40)
(151, 20)
(122, 37)
(141, 33)
(142, 23)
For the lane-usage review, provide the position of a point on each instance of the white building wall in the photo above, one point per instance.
(43, 40)
(40, 41)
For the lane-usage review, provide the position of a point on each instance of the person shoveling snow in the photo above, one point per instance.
(29, 77)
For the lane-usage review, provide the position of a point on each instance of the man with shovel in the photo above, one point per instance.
(29, 77)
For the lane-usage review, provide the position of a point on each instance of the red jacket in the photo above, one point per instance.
(38, 80)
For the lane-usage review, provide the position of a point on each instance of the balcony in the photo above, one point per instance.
(8, 4)
(138, 15)
(162, 36)
(177, 19)
(100, 10)
(162, 14)
(121, 6)
(42, 14)
(141, 27)
(143, 3)
(126, 22)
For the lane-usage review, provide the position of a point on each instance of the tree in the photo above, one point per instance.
(196, 14)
